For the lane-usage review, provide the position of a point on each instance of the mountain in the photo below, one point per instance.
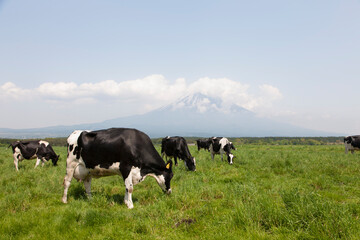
(194, 115)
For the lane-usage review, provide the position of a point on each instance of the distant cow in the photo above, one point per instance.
(203, 143)
(115, 151)
(39, 149)
(221, 145)
(352, 143)
(176, 147)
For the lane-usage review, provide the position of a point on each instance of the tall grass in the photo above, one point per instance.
(271, 192)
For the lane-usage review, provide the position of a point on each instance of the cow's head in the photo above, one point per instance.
(168, 174)
(230, 158)
(55, 159)
(191, 164)
(348, 139)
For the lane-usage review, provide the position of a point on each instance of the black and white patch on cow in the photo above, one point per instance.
(352, 143)
(221, 145)
(176, 147)
(39, 149)
(115, 151)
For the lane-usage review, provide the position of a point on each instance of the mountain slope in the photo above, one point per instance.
(193, 115)
(200, 115)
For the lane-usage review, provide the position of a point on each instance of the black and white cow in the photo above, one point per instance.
(352, 143)
(176, 147)
(221, 145)
(39, 149)
(115, 151)
(203, 143)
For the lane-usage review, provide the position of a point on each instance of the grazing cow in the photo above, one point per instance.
(221, 145)
(203, 143)
(39, 149)
(352, 143)
(115, 151)
(177, 147)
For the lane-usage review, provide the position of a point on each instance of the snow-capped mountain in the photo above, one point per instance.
(193, 115)
(201, 103)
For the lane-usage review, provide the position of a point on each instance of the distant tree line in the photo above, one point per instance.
(290, 140)
(53, 141)
(274, 140)
(236, 141)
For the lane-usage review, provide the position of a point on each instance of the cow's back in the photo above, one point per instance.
(29, 149)
(183, 146)
(125, 145)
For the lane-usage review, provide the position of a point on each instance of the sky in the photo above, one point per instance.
(71, 62)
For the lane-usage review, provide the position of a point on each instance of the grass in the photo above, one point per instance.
(271, 192)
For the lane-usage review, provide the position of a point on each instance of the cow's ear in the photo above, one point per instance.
(169, 165)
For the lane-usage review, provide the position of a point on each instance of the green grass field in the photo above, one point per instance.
(271, 192)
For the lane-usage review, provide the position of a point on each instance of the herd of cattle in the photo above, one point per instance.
(118, 151)
(129, 153)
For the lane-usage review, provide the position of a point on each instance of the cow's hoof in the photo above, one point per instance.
(129, 204)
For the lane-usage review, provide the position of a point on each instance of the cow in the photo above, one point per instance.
(203, 143)
(352, 143)
(221, 145)
(176, 147)
(114, 151)
(39, 149)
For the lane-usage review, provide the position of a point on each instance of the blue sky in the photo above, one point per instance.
(68, 62)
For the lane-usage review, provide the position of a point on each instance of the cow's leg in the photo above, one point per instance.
(221, 154)
(128, 191)
(212, 156)
(87, 185)
(352, 151)
(37, 162)
(163, 154)
(67, 181)
(43, 161)
(175, 159)
(16, 162)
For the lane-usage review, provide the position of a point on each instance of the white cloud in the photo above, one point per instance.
(60, 90)
(263, 104)
(153, 86)
(270, 92)
(10, 90)
(224, 88)
(148, 93)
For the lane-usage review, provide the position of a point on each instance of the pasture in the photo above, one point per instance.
(271, 192)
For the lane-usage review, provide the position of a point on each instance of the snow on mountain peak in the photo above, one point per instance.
(202, 103)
